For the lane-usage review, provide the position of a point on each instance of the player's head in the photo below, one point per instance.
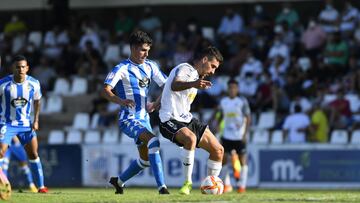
(140, 43)
(233, 88)
(20, 65)
(207, 61)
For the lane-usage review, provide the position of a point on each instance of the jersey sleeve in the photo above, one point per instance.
(114, 76)
(183, 73)
(37, 91)
(157, 75)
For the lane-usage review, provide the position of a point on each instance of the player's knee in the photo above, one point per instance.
(190, 142)
(153, 145)
(219, 152)
(143, 164)
(32, 155)
(2, 153)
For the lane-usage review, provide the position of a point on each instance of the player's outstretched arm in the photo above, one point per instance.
(178, 85)
(110, 96)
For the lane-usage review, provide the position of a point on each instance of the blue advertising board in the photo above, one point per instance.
(61, 165)
(309, 166)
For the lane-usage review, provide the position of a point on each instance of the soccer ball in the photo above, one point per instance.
(212, 185)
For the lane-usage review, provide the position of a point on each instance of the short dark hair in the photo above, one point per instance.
(232, 81)
(139, 37)
(211, 52)
(18, 58)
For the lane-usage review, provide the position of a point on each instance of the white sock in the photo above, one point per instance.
(188, 162)
(243, 176)
(214, 168)
(120, 182)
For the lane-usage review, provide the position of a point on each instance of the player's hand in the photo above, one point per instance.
(202, 84)
(150, 107)
(35, 126)
(127, 103)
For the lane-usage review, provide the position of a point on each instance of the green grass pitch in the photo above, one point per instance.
(103, 195)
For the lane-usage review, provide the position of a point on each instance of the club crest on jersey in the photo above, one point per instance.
(18, 102)
(144, 82)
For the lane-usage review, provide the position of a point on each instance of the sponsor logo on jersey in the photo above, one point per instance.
(144, 82)
(19, 102)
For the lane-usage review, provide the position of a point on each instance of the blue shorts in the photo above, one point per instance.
(134, 127)
(18, 152)
(7, 132)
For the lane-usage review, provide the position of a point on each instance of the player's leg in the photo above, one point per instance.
(20, 155)
(153, 144)
(5, 140)
(244, 173)
(187, 139)
(6, 162)
(29, 140)
(226, 166)
(180, 134)
(149, 149)
(135, 167)
(209, 143)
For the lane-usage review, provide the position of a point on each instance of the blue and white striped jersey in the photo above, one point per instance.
(131, 81)
(16, 100)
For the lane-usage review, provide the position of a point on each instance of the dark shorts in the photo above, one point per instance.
(171, 127)
(238, 145)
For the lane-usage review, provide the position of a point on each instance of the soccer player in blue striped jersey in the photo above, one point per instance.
(19, 94)
(130, 81)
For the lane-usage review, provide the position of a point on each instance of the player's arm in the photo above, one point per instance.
(179, 85)
(247, 112)
(36, 114)
(152, 106)
(110, 96)
(247, 126)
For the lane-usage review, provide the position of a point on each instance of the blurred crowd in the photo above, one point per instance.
(286, 63)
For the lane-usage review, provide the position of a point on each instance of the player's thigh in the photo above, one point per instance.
(210, 143)
(185, 136)
(139, 130)
(19, 153)
(31, 148)
(6, 135)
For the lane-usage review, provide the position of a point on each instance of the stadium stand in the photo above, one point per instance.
(339, 137)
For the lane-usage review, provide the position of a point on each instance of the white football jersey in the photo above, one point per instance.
(176, 105)
(234, 112)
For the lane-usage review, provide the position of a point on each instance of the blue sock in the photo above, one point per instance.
(27, 173)
(5, 166)
(135, 167)
(5, 162)
(36, 167)
(155, 161)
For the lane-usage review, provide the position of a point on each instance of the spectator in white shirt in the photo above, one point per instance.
(329, 17)
(231, 23)
(248, 86)
(252, 65)
(296, 125)
(349, 18)
(279, 49)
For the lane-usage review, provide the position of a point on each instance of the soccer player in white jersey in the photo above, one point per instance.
(130, 81)
(18, 92)
(177, 123)
(235, 111)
